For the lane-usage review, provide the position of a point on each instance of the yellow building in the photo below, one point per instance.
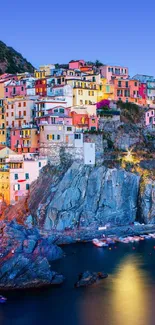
(2, 88)
(39, 74)
(106, 90)
(4, 176)
(84, 92)
(47, 68)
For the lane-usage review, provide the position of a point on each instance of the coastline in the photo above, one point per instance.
(87, 234)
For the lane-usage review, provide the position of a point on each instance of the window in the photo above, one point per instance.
(2, 117)
(135, 84)
(24, 113)
(12, 114)
(58, 136)
(86, 102)
(79, 92)
(13, 123)
(92, 93)
(119, 84)
(89, 93)
(22, 88)
(81, 102)
(39, 163)
(6, 90)
(47, 136)
(61, 110)
(77, 136)
(18, 187)
(69, 128)
(16, 176)
(52, 136)
(24, 104)
(19, 104)
(7, 123)
(7, 114)
(126, 84)
(27, 175)
(56, 110)
(27, 186)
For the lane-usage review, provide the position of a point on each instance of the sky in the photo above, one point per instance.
(116, 32)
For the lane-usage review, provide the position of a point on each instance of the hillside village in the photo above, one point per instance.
(79, 111)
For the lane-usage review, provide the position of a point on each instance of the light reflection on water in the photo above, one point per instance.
(126, 297)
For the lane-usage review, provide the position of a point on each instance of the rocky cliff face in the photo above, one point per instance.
(146, 204)
(93, 196)
(81, 196)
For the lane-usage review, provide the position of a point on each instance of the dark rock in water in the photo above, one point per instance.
(87, 278)
(25, 257)
(19, 272)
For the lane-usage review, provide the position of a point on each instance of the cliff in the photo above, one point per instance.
(78, 196)
(12, 62)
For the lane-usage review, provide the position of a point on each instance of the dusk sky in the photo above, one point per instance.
(115, 32)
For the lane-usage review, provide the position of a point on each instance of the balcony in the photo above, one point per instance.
(25, 136)
(27, 145)
(123, 86)
(151, 86)
(19, 117)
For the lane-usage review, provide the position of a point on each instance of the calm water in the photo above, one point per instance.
(126, 297)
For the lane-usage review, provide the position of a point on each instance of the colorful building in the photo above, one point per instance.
(3, 134)
(150, 118)
(14, 88)
(111, 72)
(19, 111)
(84, 121)
(121, 90)
(41, 87)
(84, 92)
(25, 139)
(47, 69)
(151, 93)
(105, 90)
(16, 174)
(39, 74)
(76, 64)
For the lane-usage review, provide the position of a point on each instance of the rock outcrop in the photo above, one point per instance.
(146, 204)
(87, 196)
(88, 278)
(25, 257)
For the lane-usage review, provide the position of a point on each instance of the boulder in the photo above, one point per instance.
(18, 272)
(87, 278)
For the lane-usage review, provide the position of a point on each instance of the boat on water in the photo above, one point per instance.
(99, 243)
(2, 300)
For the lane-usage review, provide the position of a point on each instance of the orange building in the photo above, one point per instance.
(128, 90)
(84, 121)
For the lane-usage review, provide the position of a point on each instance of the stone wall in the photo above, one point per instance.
(57, 152)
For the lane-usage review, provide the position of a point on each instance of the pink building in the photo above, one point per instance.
(56, 115)
(14, 88)
(111, 72)
(143, 90)
(150, 118)
(19, 111)
(77, 64)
